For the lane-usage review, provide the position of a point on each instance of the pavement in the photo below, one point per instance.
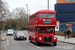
(3, 42)
(70, 40)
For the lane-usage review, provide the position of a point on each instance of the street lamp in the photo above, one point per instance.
(27, 16)
(2, 12)
(48, 4)
(29, 12)
(3, 19)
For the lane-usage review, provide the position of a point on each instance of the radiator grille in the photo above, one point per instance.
(48, 39)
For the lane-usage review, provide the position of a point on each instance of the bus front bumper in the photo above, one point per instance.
(47, 40)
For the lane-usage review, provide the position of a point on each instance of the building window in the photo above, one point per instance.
(69, 0)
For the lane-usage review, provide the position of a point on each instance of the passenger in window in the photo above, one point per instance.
(48, 30)
(51, 30)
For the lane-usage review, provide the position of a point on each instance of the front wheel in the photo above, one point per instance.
(30, 39)
(25, 38)
(37, 43)
(14, 38)
(55, 43)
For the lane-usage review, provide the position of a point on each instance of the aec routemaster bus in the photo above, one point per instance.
(42, 27)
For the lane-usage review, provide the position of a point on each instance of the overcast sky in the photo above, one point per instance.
(33, 5)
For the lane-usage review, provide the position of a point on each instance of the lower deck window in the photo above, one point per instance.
(46, 29)
(42, 29)
(50, 29)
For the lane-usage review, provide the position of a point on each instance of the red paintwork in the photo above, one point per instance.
(39, 21)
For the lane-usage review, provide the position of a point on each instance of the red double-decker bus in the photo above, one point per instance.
(42, 27)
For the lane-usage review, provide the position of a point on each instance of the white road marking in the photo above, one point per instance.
(26, 41)
(31, 43)
(7, 38)
(38, 47)
(7, 43)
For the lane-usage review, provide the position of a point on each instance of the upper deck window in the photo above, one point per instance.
(51, 15)
(69, 0)
(43, 15)
(37, 15)
(34, 16)
(31, 17)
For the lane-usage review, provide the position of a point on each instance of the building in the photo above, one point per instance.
(65, 12)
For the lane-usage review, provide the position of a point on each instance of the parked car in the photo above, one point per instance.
(10, 32)
(20, 35)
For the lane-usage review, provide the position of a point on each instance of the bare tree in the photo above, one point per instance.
(4, 8)
(20, 17)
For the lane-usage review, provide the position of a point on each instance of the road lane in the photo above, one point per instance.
(20, 44)
(60, 46)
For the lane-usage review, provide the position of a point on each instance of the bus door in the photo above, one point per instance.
(34, 33)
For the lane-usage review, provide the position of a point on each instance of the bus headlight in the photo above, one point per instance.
(40, 38)
(54, 38)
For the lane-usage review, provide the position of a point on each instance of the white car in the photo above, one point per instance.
(10, 32)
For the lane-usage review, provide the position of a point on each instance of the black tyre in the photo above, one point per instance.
(55, 43)
(25, 38)
(14, 38)
(7, 34)
(37, 43)
(30, 39)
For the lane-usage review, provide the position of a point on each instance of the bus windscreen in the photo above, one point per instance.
(42, 29)
(51, 15)
(43, 15)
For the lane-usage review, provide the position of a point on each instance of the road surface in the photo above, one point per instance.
(12, 44)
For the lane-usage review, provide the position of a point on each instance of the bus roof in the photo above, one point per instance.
(44, 11)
